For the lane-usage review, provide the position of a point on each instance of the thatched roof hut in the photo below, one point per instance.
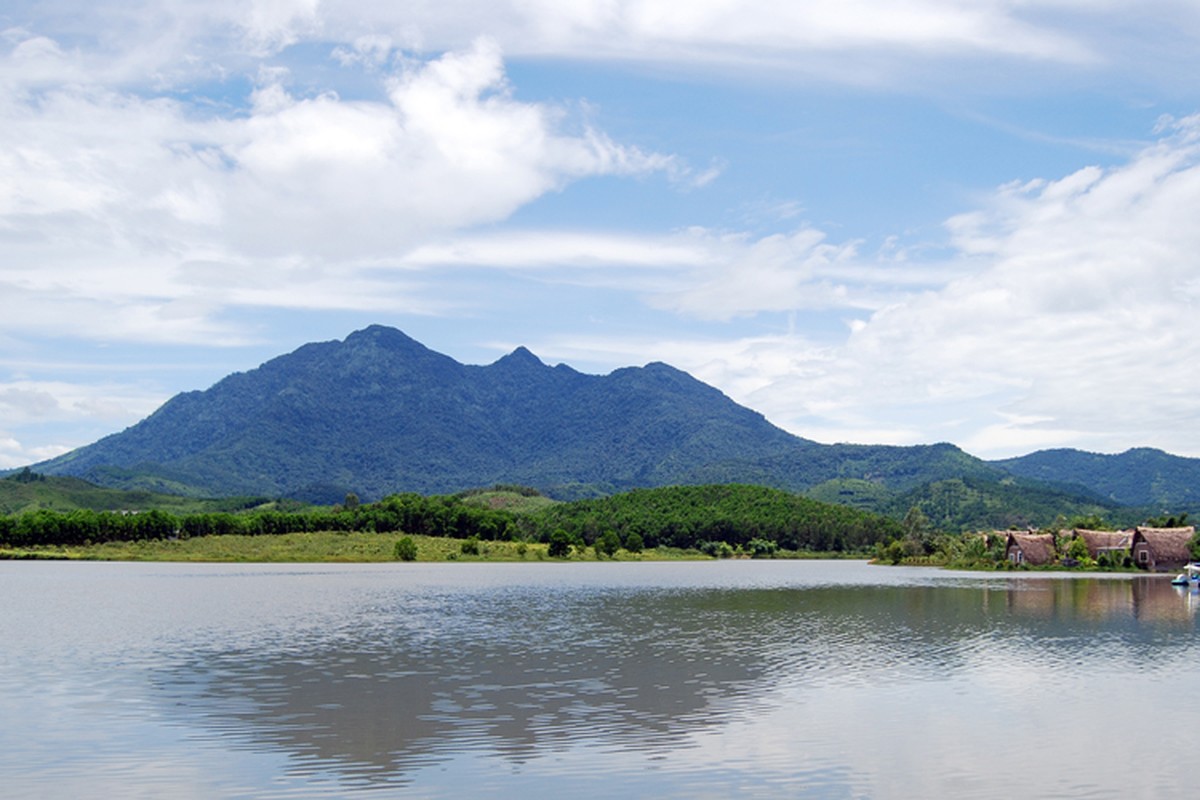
(1034, 549)
(1162, 549)
(1099, 542)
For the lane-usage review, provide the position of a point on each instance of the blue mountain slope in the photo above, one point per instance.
(379, 413)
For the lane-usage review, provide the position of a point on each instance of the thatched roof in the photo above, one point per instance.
(1187, 530)
(1098, 541)
(1167, 544)
(1036, 548)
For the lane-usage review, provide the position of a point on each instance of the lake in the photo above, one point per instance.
(821, 679)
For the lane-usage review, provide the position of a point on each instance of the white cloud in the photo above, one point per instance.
(1068, 318)
(166, 42)
(29, 400)
(935, 25)
(697, 272)
(59, 415)
(782, 272)
(1078, 321)
(791, 36)
(110, 199)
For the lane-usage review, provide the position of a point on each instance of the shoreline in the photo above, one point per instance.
(347, 547)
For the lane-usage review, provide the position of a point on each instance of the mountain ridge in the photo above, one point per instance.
(1139, 476)
(379, 413)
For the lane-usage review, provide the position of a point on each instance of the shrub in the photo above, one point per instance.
(716, 549)
(762, 548)
(560, 544)
(608, 543)
(470, 547)
(406, 549)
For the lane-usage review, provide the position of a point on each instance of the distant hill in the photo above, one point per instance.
(380, 413)
(1138, 477)
(29, 491)
(975, 503)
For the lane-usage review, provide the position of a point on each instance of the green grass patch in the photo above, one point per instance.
(321, 547)
(26, 492)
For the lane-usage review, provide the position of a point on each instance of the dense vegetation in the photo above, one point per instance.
(959, 505)
(987, 551)
(716, 519)
(691, 516)
(412, 514)
(1138, 477)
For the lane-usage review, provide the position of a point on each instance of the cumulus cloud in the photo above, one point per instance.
(1074, 314)
(450, 148)
(111, 199)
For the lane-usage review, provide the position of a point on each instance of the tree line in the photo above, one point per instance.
(408, 513)
(750, 518)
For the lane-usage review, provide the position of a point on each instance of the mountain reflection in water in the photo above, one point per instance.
(525, 671)
(781, 679)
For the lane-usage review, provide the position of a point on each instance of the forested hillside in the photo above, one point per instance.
(974, 504)
(688, 516)
(30, 491)
(1138, 477)
(379, 413)
(755, 519)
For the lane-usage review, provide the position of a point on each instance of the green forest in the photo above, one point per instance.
(929, 525)
(719, 520)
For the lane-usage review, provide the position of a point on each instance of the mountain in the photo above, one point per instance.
(1138, 477)
(380, 413)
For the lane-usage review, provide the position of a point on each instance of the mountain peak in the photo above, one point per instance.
(385, 337)
(520, 358)
(379, 412)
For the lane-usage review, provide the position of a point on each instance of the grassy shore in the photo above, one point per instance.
(326, 547)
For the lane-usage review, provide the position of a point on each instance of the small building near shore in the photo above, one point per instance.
(1162, 549)
(1034, 549)
(1104, 542)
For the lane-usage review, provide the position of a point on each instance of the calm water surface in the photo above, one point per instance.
(707, 679)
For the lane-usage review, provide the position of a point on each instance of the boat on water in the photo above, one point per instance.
(1189, 577)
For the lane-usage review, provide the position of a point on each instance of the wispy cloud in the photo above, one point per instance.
(169, 43)
(57, 412)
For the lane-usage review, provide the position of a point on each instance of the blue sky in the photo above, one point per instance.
(877, 222)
